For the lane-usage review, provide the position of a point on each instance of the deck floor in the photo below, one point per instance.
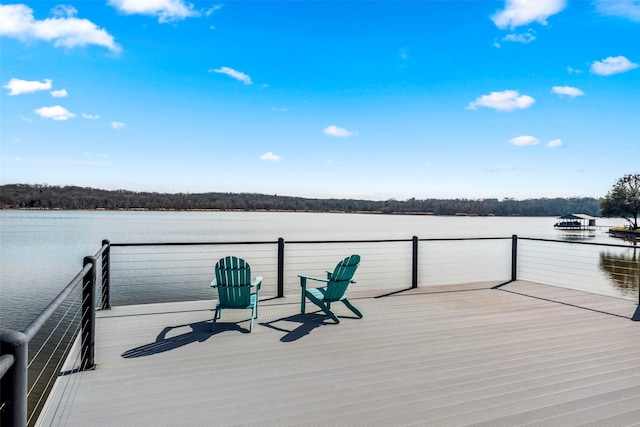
(524, 354)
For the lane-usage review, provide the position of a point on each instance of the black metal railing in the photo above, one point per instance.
(129, 270)
(17, 387)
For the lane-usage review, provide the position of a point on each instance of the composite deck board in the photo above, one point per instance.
(521, 354)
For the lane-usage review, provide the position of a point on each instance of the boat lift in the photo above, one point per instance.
(576, 222)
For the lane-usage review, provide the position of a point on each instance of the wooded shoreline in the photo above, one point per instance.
(45, 197)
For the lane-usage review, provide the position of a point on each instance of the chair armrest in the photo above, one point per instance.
(214, 283)
(257, 282)
(329, 273)
(313, 278)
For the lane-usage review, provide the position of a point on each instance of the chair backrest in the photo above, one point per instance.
(233, 276)
(341, 277)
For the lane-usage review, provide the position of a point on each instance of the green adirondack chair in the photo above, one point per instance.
(233, 281)
(337, 284)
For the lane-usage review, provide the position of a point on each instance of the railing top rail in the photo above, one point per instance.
(193, 243)
(104, 247)
(42, 318)
(348, 241)
(267, 242)
(6, 361)
(445, 239)
(610, 245)
(273, 242)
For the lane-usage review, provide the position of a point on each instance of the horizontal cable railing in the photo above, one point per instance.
(184, 273)
(178, 272)
(592, 267)
(153, 273)
(449, 261)
(385, 264)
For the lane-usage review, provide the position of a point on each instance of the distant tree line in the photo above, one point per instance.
(42, 196)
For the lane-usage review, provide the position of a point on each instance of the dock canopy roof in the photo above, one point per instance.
(576, 216)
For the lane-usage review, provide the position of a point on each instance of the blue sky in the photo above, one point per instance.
(357, 99)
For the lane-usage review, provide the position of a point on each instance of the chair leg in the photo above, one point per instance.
(330, 314)
(324, 307)
(215, 317)
(253, 316)
(352, 308)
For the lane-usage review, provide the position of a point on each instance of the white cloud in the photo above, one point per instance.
(572, 70)
(522, 12)
(212, 9)
(567, 90)
(27, 119)
(270, 157)
(520, 38)
(612, 65)
(165, 10)
(90, 116)
(524, 140)
(64, 30)
(338, 132)
(624, 8)
(18, 87)
(238, 75)
(118, 125)
(55, 113)
(59, 93)
(507, 100)
(555, 143)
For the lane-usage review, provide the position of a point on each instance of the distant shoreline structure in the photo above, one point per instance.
(624, 233)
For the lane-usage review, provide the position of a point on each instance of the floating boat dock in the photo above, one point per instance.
(481, 354)
(576, 222)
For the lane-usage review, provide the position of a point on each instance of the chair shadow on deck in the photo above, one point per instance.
(200, 332)
(308, 322)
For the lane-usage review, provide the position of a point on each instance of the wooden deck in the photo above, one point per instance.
(524, 354)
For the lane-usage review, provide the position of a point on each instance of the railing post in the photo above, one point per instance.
(514, 257)
(106, 276)
(414, 264)
(88, 327)
(13, 385)
(638, 281)
(280, 267)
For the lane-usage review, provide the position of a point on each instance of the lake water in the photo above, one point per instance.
(41, 251)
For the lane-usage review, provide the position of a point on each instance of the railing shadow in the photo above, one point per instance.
(581, 306)
(200, 332)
